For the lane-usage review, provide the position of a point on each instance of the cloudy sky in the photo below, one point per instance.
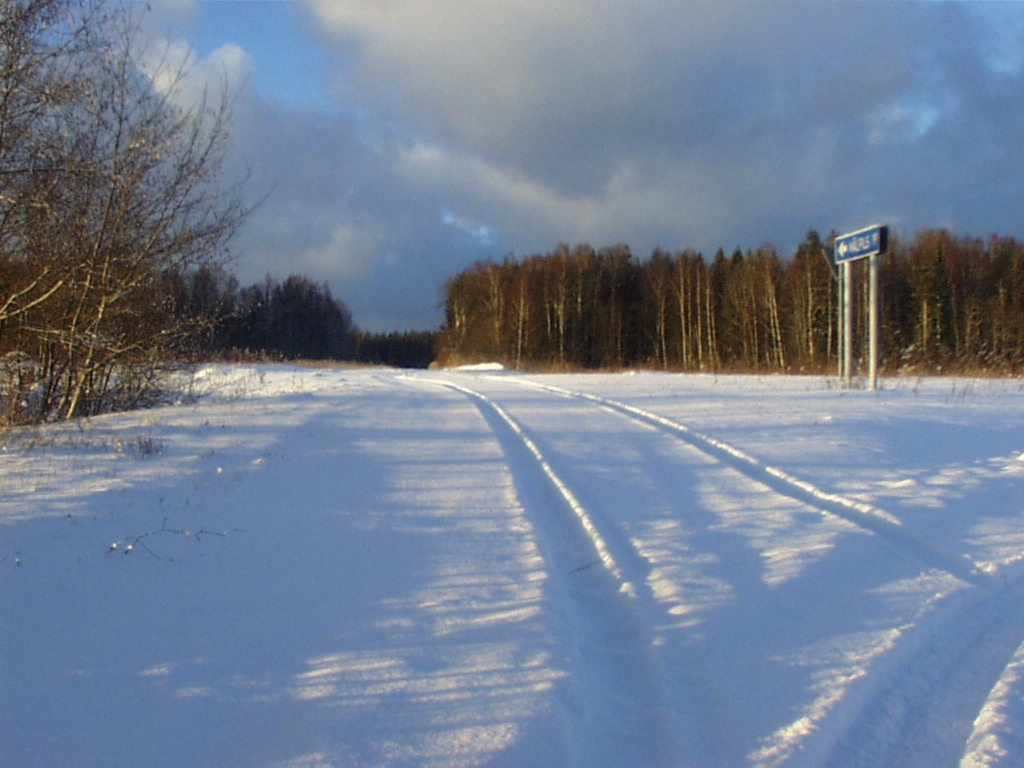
(398, 141)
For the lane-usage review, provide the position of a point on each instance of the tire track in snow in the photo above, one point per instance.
(929, 707)
(864, 515)
(996, 730)
(615, 710)
(596, 539)
(929, 702)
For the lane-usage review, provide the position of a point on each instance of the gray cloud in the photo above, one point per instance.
(460, 130)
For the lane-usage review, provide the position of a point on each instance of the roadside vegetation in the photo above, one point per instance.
(116, 213)
(111, 189)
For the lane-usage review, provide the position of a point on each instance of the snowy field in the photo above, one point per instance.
(371, 567)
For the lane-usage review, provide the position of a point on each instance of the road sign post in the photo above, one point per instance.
(873, 321)
(846, 369)
(864, 243)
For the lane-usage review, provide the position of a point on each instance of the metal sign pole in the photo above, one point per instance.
(847, 324)
(840, 319)
(873, 321)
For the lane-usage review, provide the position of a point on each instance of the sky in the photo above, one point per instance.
(395, 142)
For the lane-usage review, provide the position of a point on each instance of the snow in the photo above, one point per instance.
(480, 367)
(295, 567)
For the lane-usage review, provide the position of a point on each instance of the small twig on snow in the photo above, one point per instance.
(128, 545)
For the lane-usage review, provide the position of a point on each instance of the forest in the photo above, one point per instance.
(297, 319)
(947, 303)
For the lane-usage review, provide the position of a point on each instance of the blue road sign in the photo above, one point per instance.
(864, 242)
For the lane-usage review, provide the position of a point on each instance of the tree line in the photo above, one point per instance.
(296, 319)
(947, 302)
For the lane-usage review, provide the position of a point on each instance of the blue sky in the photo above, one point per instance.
(287, 65)
(398, 141)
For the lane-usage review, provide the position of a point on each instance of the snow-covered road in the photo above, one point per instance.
(372, 567)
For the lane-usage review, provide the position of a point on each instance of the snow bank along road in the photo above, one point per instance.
(487, 568)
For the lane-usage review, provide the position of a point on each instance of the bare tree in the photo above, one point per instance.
(36, 82)
(119, 189)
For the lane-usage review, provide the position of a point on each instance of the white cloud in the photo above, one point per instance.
(177, 71)
(350, 253)
(901, 121)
